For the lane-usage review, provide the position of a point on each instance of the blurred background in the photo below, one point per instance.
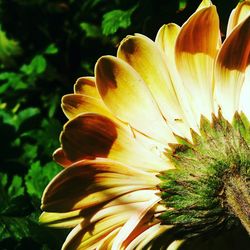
(44, 47)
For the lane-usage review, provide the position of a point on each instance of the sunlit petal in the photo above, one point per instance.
(89, 136)
(241, 12)
(231, 63)
(195, 58)
(127, 96)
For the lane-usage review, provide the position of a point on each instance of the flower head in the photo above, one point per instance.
(146, 148)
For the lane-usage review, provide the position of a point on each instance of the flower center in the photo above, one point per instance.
(209, 187)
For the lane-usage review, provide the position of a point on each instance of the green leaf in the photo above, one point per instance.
(116, 19)
(16, 189)
(16, 228)
(8, 47)
(38, 177)
(182, 4)
(11, 80)
(24, 115)
(36, 66)
(91, 30)
(51, 49)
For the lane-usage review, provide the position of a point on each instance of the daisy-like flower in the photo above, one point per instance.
(157, 146)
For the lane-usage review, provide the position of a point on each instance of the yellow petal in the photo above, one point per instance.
(76, 187)
(86, 86)
(204, 4)
(61, 220)
(196, 48)
(146, 58)
(166, 38)
(241, 11)
(126, 95)
(75, 104)
(231, 64)
(91, 135)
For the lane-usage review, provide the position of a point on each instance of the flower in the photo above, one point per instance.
(144, 138)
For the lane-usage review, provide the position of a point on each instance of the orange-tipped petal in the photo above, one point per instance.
(60, 157)
(166, 40)
(148, 60)
(196, 48)
(126, 95)
(75, 104)
(86, 86)
(231, 64)
(92, 135)
(90, 183)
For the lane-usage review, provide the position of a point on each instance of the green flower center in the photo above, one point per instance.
(209, 187)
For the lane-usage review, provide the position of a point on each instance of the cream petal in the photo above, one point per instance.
(76, 187)
(238, 14)
(149, 234)
(230, 67)
(148, 60)
(166, 40)
(106, 243)
(93, 135)
(244, 96)
(196, 48)
(133, 221)
(129, 201)
(126, 95)
(89, 237)
(175, 245)
(86, 86)
(75, 104)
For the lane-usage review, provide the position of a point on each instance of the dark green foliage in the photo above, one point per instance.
(195, 190)
(44, 47)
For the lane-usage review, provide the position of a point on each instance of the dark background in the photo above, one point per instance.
(44, 47)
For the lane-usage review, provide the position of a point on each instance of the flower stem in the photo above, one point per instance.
(238, 199)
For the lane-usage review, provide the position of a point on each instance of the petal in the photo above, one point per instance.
(175, 245)
(147, 235)
(75, 104)
(86, 86)
(241, 12)
(204, 4)
(231, 64)
(60, 157)
(133, 221)
(148, 60)
(61, 220)
(121, 204)
(127, 96)
(196, 47)
(89, 238)
(90, 183)
(166, 40)
(91, 135)
(244, 96)
(106, 243)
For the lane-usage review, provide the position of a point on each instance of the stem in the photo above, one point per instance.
(238, 199)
